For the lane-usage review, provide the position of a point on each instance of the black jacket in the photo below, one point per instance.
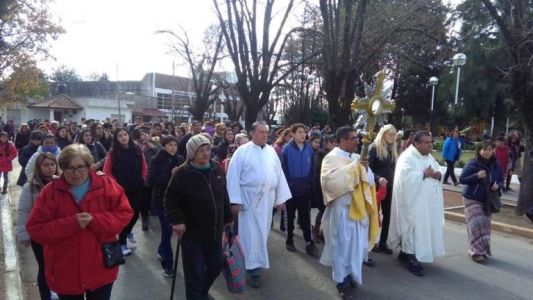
(381, 168)
(98, 152)
(475, 186)
(62, 143)
(182, 147)
(24, 156)
(199, 201)
(159, 173)
(21, 140)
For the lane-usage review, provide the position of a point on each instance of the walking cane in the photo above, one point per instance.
(175, 270)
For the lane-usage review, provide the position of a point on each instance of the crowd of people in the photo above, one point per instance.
(89, 183)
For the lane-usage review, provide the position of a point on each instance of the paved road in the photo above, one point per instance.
(508, 275)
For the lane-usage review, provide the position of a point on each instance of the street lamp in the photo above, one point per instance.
(433, 81)
(459, 60)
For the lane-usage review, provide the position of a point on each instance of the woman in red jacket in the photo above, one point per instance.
(72, 218)
(8, 152)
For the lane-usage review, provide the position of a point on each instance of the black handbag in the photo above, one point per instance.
(493, 201)
(113, 254)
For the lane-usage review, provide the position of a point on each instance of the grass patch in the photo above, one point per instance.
(466, 156)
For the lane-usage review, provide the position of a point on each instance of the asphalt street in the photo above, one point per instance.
(507, 275)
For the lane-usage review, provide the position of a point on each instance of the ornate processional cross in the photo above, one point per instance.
(372, 108)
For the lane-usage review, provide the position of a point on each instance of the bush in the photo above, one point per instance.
(460, 164)
(437, 145)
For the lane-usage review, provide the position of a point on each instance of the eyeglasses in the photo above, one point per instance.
(78, 169)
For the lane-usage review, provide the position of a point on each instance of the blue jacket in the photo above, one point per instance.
(298, 167)
(475, 187)
(451, 150)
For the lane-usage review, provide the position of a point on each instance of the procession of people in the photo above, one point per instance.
(89, 183)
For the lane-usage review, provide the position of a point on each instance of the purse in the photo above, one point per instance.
(234, 269)
(113, 254)
(493, 201)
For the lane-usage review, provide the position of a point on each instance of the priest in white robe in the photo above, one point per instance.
(417, 212)
(350, 221)
(256, 183)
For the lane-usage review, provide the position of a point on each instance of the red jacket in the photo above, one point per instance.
(73, 256)
(7, 156)
(502, 155)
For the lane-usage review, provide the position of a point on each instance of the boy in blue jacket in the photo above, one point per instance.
(297, 161)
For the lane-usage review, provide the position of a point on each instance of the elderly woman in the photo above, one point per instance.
(479, 175)
(72, 218)
(197, 206)
(382, 157)
(46, 168)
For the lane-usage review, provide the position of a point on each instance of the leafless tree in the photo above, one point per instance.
(255, 47)
(201, 65)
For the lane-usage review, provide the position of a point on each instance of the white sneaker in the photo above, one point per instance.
(125, 250)
(53, 296)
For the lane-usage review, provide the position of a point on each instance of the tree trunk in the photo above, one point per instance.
(250, 115)
(525, 196)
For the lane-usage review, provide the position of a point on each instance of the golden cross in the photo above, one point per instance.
(374, 107)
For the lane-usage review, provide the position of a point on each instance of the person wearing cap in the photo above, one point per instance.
(196, 203)
(256, 183)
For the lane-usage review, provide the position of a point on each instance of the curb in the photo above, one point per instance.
(497, 226)
(12, 276)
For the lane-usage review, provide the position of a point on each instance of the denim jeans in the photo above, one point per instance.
(165, 249)
(101, 293)
(202, 263)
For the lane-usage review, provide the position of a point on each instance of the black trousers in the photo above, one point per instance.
(146, 201)
(44, 290)
(6, 178)
(101, 293)
(450, 171)
(202, 263)
(385, 210)
(134, 198)
(303, 205)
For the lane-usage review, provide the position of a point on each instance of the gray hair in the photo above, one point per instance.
(258, 123)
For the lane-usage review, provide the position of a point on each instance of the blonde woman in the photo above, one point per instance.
(382, 157)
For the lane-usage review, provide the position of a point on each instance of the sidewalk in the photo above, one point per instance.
(505, 221)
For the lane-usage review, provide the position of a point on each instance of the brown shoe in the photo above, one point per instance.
(477, 258)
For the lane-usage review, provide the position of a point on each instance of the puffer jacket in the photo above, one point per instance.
(73, 257)
(475, 186)
(159, 173)
(200, 202)
(8, 152)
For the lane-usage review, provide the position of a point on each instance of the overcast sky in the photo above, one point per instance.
(103, 34)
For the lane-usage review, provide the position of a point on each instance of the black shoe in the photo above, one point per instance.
(456, 183)
(168, 273)
(345, 291)
(376, 248)
(145, 224)
(311, 250)
(403, 256)
(4, 191)
(385, 249)
(254, 281)
(415, 266)
(369, 262)
(290, 246)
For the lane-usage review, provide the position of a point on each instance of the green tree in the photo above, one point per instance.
(513, 19)
(65, 74)
(26, 27)
(26, 80)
